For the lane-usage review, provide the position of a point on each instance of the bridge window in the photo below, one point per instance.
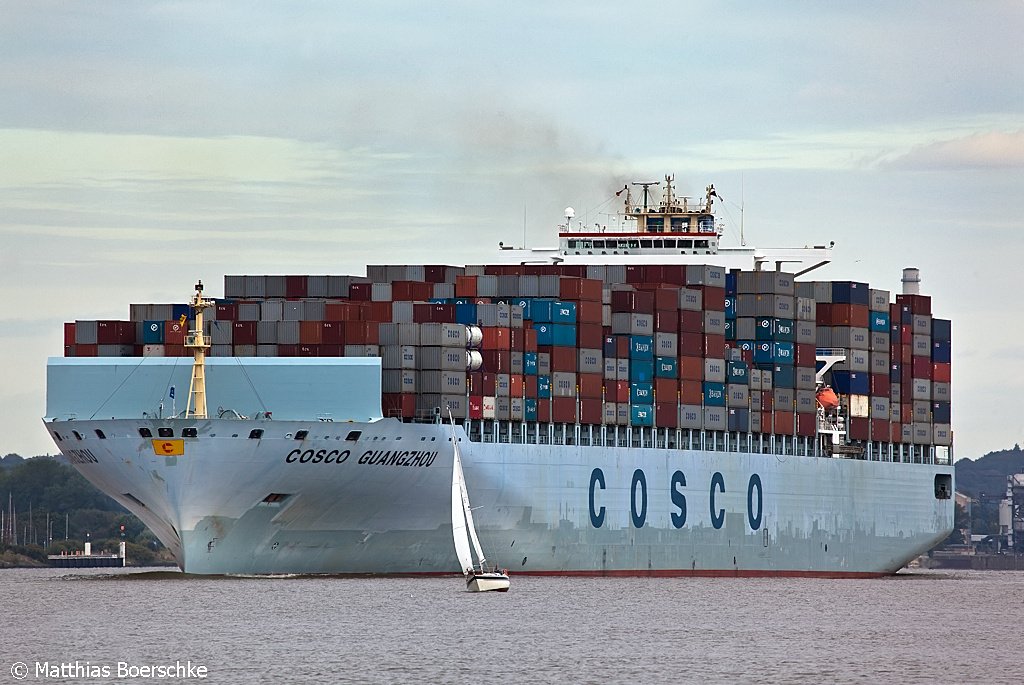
(655, 224)
(301, 435)
(189, 432)
(680, 224)
(165, 432)
(598, 244)
(353, 435)
(100, 435)
(670, 244)
(700, 244)
(256, 434)
(645, 243)
(78, 436)
(572, 244)
(145, 433)
(684, 244)
(634, 244)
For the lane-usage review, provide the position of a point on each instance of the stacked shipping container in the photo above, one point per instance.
(667, 346)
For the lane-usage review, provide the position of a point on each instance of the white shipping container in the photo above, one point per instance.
(859, 406)
(398, 380)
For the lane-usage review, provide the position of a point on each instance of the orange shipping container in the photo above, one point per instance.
(465, 286)
(496, 338)
(591, 385)
(310, 332)
(691, 369)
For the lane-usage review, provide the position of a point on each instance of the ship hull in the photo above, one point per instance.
(374, 498)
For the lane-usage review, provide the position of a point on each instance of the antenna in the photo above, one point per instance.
(647, 192)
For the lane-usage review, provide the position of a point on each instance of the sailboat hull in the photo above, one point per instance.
(488, 582)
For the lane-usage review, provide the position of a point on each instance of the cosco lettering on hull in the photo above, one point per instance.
(317, 456)
(638, 496)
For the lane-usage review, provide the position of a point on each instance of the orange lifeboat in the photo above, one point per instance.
(827, 398)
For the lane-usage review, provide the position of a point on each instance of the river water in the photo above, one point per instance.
(920, 627)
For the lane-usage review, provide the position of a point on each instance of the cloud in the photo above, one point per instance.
(990, 150)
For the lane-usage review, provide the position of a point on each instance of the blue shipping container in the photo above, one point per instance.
(738, 373)
(730, 329)
(563, 335)
(765, 328)
(785, 330)
(666, 367)
(940, 412)
(784, 376)
(465, 314)
(641, 371)
(851, 382)
(763, 352)
(563, 312)
(544, 387)
(530, 409)
(879, 322)
(530, 363)
(641, 415)
(850, 292)
(714, 394)
(782, 352)
(730, 307)
(942, 352)
(730, 282)
(153, 332)
(640, 347)
(942, 329)
(641, 393)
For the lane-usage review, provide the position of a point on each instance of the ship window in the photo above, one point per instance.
(301, 435)
(598, 244)
(655, 224)
(189, 432)
(100, 435)
(145, 432)
(165, 432)
(275, 498)
(659, 244)
(353, 435)
(78, 436)
(700, 244)
(572, 244)
(680, 225)
(57, 435)
(943, 486)
(645, 243)
(256, 434)
(684, 244)
(634, 244)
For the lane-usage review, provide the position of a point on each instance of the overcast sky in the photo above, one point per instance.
(144, 145)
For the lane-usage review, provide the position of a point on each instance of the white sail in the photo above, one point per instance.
(468, 511)
(459, 512)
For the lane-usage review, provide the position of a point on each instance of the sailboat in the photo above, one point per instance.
(478, 578)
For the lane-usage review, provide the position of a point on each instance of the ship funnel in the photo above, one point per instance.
(911, 281)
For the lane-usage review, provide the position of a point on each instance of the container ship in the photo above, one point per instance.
(638, 400)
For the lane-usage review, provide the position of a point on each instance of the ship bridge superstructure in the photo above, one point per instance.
(671, 229)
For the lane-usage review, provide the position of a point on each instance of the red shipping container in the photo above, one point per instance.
(880, 386)
(591, 385)
(398, 405)
(476, 406)
(591, 410)
(691, 344)
(115, 332)
(530, 340)
(423, 312)
(563, 409)
(767, 400)
(942, 372)
(921, 367)
(227, 312)
(465, 286)
(618, 391)
(907, 335)
(544, 410)
(69, 334)
(666, 321)
(674, 274)
(359, 292)
(308, 351)
(332, 332)
(906, 354)
(69, 351)
(496, 338)
(515, 385)
(632, 301)
(411, 291)
(295, 286)
(361, 333)
(805, 354)
(860, 428)
(376, 311)
(714, 346)
(434, 273)
(919, 304)
(588, 312)
(332, 350)
(714, 298)
(590, 335)
(666, 299)
(517, 339)
(666, 390)
(310, 332)
(766, 421)
(580, 289)
(880, 430)
(805, 424)
(242, 333)
(823, 314)
(691, 321)
(691, 369)
(91, 350)
(340, 311)
(563, 358)
(496, 361)
(784, 422)
(530, 386)
(287, 350)
(622, 347)
(488, 385)
(636, 273)
(691, 392)
(666, 415)
(906, 412)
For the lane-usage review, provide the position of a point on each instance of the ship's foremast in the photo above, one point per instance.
(198, 343)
